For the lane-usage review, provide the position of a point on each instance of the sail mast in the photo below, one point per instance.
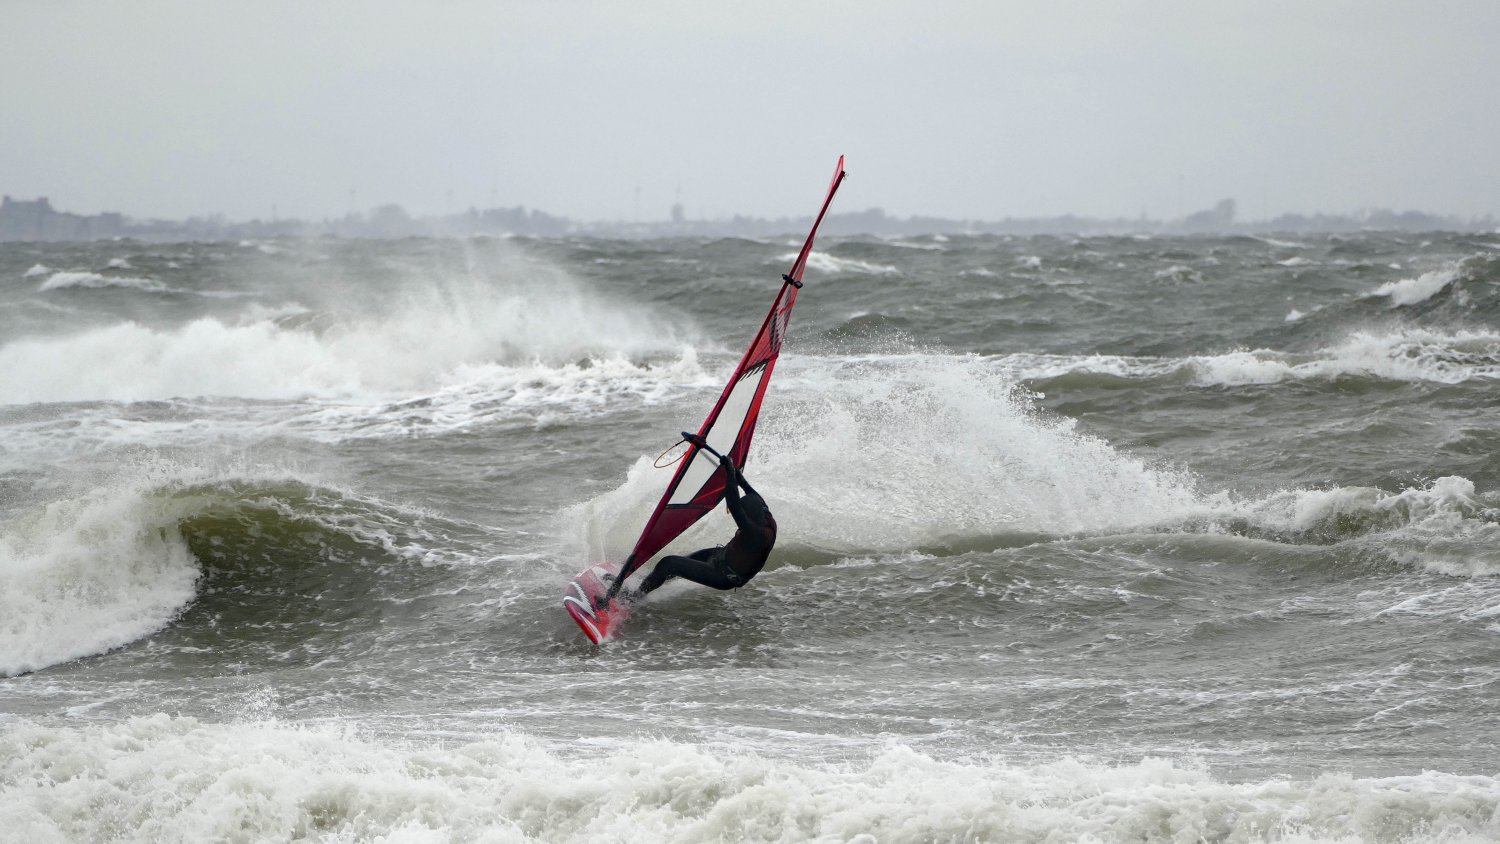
(698, 486)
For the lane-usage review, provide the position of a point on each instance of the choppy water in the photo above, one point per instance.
(1100, 539)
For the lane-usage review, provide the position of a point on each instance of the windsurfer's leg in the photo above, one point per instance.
(700, 567)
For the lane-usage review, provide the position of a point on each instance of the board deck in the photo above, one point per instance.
(593, 582)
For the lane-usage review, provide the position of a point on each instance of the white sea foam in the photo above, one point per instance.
(535, 394)
(894, 452)
(881, 454)
(37, 270)
(430, 338)
(161, 778)
(91, 573)
(64, 280)
(1405, 354)
(972, 457)
(1443, 527)
(1179, 273)
(1410, 291)
(825, 263)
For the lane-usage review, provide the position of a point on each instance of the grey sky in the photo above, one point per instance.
(608, 109)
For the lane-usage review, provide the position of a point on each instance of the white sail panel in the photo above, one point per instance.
(721, 436)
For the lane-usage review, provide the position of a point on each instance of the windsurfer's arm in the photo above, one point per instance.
(735, 476)
(732, 482)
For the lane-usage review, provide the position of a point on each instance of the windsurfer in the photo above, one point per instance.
(728, 566)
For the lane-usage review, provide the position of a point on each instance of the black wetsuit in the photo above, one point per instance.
(732, 565)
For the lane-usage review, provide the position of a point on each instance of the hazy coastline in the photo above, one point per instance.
(37, 220)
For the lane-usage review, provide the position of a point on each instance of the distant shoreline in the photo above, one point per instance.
(37, 220)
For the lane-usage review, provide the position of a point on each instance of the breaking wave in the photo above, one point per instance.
(824, 263)
(165, 778)
(1446, 527)
(427, 339)
(64, 280)
(1410, 291)
(276, 558)
(887, 453)
(1402, 354)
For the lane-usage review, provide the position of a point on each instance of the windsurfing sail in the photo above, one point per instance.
(698, 485)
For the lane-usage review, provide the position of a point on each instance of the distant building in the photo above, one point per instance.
(20, 220)
(1218, 219)
(37, 220)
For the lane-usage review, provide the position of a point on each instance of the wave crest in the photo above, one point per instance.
(427, 337)
(251, 561)
(88, 280)
(85, 575)
(1402, 354)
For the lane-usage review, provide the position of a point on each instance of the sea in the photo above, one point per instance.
(1082, 539)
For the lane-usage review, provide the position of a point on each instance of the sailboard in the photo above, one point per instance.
(698, 485)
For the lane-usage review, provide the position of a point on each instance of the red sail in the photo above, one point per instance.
(698, 486)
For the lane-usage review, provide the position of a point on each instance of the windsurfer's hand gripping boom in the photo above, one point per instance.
(732, 476)
(731, 565)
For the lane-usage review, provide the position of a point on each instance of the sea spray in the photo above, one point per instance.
(893, 451)
(426, 334)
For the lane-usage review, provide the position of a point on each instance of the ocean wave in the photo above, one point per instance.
(1462, 279)
(119, 563)
(934, 246)
(535, 395)
(166, 778)
(88, 574)
(825, 263)
(1179, 273)
(888, 453)
(1410, 291)
(1445, 527)
(1284, 244)
(881, 453)
(427, 339)
(1402, 354)
(88, 280)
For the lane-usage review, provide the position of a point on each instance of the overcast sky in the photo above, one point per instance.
(613, 110)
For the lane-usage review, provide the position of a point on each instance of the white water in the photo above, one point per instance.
(64, 280)
(1410, 291)
(436, 334)
(975, 459)
(176, 779)
(86, 574)
(1406, 354)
